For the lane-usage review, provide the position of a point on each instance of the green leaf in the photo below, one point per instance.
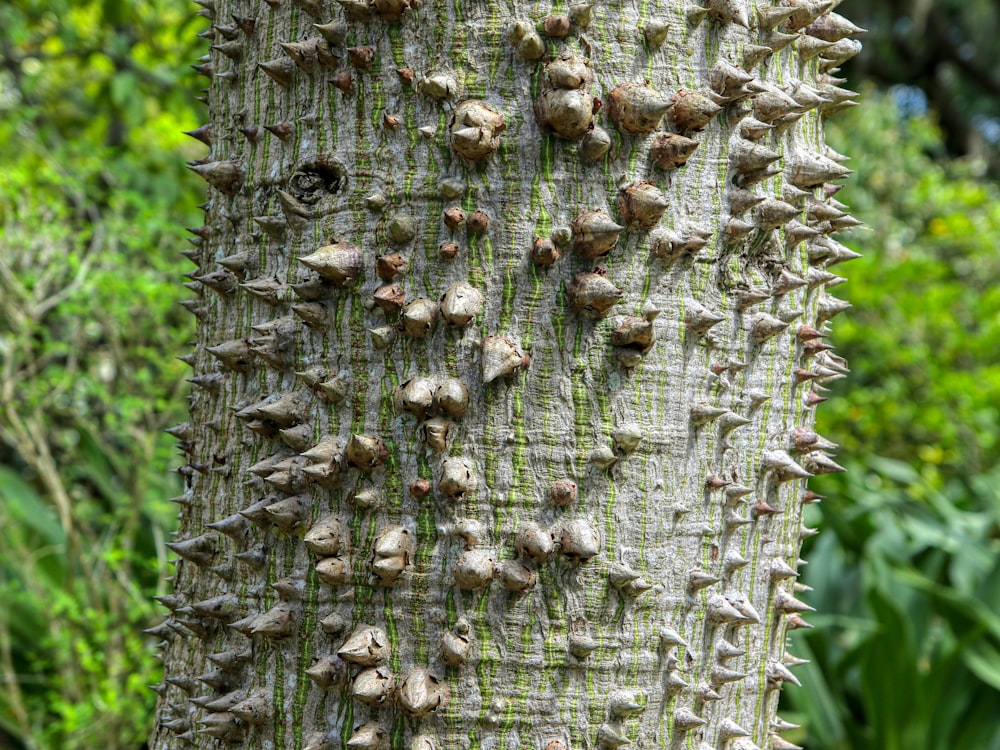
(28, 508)
(983, 659)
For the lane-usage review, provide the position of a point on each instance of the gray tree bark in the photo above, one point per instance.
(512, 324)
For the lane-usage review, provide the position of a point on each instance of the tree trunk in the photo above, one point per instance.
(511, 325)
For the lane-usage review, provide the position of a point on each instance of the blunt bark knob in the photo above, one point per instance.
(434, 432)
(556, 25)
(515, 576)
(325, 537)
(373, 686)
(531, 47)
(471, 532)
(391, 10)
(579, 541)
(475, 129)
(566, 113)
(334, 624)
(418, 317)
(544, 252)
(473, 570)
(455, 647)
(367, 646)
(415, 396)
(388, 297)
(454, 217)
(656, 33)
(627, 437)
(568, 71)
(460, 304)
(421, 692)
(390, 265)
(458, 478)
(562, 492)
(439, 86)
(452, 396)
(534, 543)
(391, 553)
(635, 332)
(366, 452)
(334, 571)
(402, 229)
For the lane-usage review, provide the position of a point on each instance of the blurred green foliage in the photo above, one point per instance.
(944, 53)
(905, 653)
(906, 571)
(93, 195)
(925, 386)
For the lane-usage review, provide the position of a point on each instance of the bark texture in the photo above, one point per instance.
(512, 321)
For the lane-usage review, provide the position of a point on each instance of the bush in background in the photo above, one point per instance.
(925, 386)
(93, 196)
(906, 571)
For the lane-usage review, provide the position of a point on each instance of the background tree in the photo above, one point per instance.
(942, 57)
(449, 479)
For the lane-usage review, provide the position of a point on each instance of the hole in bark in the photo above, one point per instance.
(317, 178)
